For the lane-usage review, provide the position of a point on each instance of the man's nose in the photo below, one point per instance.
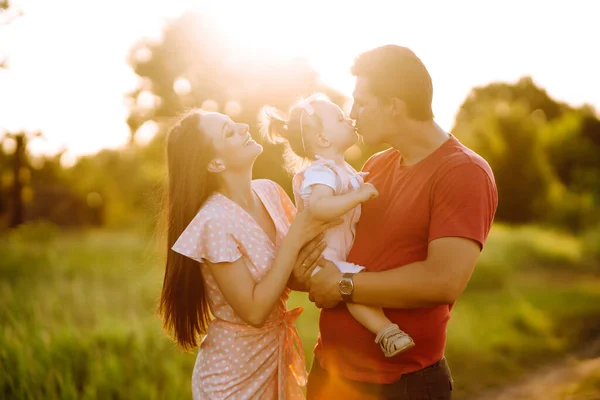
(353, 112)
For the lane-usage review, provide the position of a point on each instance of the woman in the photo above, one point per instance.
(241, 233)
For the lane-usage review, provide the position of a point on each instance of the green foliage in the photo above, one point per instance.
(591, 245)
(499, 336)
(513, 250)
(79, 321)
(196, 52)
(544, 154)
(531, 249)
(79, 314)
(122, 188)
(128, 184)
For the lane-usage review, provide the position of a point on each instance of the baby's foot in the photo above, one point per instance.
(393, 341)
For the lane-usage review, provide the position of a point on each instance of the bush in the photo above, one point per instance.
(591, 248)
(526, 248)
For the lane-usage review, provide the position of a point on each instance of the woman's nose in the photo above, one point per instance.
(243, 129)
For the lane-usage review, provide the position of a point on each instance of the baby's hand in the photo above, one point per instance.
(367, 191)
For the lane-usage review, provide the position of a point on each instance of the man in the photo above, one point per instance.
(419, 240)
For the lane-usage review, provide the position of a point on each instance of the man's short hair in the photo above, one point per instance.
(395, 71)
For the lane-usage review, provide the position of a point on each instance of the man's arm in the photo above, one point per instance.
(464, 205)
(440, 279)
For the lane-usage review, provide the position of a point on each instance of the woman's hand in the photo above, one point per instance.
(308, 259)
(305, 228)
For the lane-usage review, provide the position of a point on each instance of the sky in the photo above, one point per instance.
(67, 72)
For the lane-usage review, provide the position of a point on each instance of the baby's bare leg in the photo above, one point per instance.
(371, 318)
(390, 338)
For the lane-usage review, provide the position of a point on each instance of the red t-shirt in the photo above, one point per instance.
(451, 193)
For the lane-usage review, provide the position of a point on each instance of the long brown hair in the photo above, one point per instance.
(183, 302)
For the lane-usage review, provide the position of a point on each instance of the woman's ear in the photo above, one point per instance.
(216, 165)
(322, 140)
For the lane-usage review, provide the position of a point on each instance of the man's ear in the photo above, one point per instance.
(216, 165)
(397, 108)
(322, 140)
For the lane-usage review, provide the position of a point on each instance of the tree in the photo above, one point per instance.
(193, 66)
(544, 153)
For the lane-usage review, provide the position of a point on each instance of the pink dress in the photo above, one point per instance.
(236, 360)
(342, 179)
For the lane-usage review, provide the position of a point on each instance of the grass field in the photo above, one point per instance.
(78, 318)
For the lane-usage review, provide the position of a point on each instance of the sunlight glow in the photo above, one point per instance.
(210, 106)
(145, 99)
(67, 160)
(67, 69)
(182, 86)
(94, 200)
(9, 145)
(146, 132)
(232, 108)
(143, 55)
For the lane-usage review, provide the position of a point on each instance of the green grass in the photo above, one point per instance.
(528, 248)
(78, 321)
(587, 387)
(78, 314)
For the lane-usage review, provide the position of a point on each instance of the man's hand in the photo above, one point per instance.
(324, 290)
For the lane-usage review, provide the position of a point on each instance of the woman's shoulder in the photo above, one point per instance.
(216, 209)
(214, 206)
(210, 233)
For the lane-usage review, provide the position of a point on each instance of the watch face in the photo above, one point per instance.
(346, 286)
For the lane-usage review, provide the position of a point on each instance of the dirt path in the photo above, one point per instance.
(576, 377)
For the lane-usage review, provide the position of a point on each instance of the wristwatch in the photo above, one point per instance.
(346, 287)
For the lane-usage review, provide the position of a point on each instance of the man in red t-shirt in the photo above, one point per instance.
(419, 240)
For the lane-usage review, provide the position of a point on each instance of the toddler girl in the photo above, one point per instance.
(318, 135)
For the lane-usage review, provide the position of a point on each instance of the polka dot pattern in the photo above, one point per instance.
(235, 360)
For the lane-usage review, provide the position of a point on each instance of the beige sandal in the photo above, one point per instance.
(392, 340)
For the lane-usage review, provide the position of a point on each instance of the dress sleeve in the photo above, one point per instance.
(319, 175)
(210, 236)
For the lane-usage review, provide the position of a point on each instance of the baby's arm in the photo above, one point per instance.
(325, 205)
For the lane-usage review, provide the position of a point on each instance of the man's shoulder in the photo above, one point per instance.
(462, 157)
(380, 158)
